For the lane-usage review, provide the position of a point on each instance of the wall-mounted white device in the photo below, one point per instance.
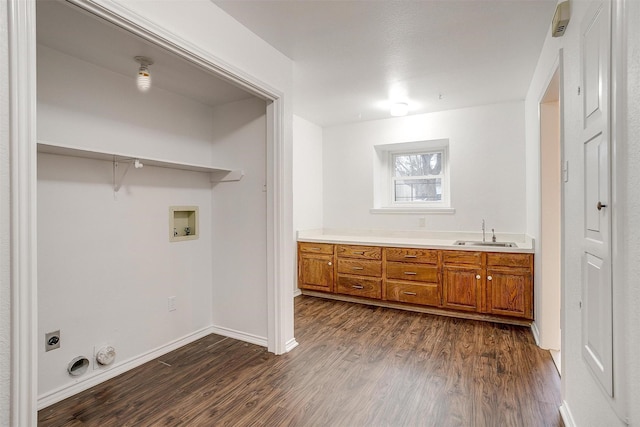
(560, 19)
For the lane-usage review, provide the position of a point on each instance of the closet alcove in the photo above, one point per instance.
(108, 273)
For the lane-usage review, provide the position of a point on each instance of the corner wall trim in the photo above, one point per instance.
(291, 344)
(536, 333)
(98, 377)
(239, 335)
(566, 415)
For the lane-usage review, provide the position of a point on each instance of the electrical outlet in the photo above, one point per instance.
(422, 221)
(51, 340)
(172, 304)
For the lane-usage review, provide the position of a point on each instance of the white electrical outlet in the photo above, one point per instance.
(422, 221)
(172, 304)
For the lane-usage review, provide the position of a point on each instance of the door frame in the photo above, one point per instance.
(541, 331)
(23, 149)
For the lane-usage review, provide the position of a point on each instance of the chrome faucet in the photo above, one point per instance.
(483, 240)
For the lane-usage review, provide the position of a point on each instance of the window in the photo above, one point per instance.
(412, 177)
(417, 177)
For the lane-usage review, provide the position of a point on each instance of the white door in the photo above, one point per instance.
(597, 336)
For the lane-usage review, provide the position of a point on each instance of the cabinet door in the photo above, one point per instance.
(461, 287)
(315, 272)
(509, 292)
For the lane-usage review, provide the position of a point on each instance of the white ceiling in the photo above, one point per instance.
(352, 57)
(68, 29)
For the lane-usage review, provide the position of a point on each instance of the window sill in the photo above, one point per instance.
(412, 210)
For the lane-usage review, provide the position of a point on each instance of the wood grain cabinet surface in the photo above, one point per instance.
(487, 285)
(315, 267)
(359, 271)
(413, 276)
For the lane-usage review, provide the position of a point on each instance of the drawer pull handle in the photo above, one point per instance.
(359, 253)
(410, 293)
(489, 278)
(410, 273)
(314, 249)
(477, 276)
(357, 287)
(357, 268)
(411, 256)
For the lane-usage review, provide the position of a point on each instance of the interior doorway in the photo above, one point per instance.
(551, 178)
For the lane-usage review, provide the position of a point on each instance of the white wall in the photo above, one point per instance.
(239, 222)
(307, 174)
(106, 267)
(307, 177)
(5, 198)
(76, 99)
(582, 395)
(487, 158)
(205, 26)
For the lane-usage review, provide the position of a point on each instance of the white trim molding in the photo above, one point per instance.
(566, 415)
(22, 89)
(239, 335)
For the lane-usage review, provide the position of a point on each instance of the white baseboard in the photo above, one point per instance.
(98, 376)
(536, 333)
(290, 345)
(238, 335)
(566, 415)
(297, 292)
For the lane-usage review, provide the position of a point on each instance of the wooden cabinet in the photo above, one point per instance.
(462, 280)
(315, 266)
(359, 271)
(461, 287)
(489, 282)
(412, 276)
(509, 285)
(485, 285)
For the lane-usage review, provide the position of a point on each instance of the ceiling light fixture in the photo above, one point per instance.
(399, 109)
(144, 77)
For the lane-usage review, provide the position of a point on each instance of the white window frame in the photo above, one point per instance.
(384, 178)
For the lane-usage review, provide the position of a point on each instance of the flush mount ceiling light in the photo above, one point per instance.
(144, 77)
(399, 109)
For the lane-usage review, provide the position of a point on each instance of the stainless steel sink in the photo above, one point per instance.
(493, 244)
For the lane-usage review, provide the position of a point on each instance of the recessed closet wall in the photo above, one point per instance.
(106, 267)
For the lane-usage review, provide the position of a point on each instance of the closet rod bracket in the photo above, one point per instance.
(117, 181)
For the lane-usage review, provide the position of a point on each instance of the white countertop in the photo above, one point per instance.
(417, 239)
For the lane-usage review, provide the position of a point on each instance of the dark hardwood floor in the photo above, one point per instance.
(355, 366)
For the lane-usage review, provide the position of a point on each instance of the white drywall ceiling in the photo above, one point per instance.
(77, 33)
(350, 56)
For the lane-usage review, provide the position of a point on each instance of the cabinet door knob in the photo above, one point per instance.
(477, 276)
(329, 263)
(600, 205)
(489, 278)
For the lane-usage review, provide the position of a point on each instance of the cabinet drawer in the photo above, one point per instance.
(414, 293)
(423, 256)
(360, 252)
(509, 260)
(462, 257)
(360, 267)
(413, 272)
(359, 286)
(317, 248)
